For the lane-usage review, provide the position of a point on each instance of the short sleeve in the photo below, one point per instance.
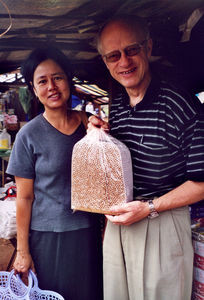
(21, 162)
(194, 149)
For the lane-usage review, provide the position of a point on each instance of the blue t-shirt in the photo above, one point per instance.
(43, 153)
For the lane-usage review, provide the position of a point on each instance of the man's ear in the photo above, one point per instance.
(149, 47)
(104, 60)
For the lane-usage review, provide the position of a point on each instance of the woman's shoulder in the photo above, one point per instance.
(31, 126)
(82, 116)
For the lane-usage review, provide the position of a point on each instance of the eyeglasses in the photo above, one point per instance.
(131, 50)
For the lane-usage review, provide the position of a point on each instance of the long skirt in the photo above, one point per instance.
(69, 263)
(149, 260)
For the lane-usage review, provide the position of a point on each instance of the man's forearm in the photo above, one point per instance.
(187, 193)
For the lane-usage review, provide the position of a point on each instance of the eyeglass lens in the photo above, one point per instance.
(129, 51)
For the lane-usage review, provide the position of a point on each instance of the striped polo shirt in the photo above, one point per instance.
(165, 135)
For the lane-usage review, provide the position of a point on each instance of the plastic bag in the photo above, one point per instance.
(102, 173)
(7, 219)
(12, 288)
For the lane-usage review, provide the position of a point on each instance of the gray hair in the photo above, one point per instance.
(132, 21)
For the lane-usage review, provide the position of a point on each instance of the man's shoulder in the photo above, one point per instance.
(180, 95)
(172, 87)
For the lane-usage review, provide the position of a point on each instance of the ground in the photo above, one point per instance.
(6, 252)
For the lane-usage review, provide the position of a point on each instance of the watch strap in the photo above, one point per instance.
(153, 213)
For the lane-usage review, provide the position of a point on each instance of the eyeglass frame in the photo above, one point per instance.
(140, 46)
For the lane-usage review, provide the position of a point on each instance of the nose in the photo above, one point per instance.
(124, 60)
(51, 84)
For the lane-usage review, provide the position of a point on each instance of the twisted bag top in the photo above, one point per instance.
(101, 173)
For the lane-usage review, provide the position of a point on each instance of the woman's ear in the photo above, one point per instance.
(34, 90)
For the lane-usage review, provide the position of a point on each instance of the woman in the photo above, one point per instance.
(63, 247)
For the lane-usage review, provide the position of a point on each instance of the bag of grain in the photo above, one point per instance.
(102, 173)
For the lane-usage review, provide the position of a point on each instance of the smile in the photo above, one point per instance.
(128, 72)
(54, 96)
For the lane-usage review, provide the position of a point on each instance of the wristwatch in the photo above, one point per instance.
(153, 213)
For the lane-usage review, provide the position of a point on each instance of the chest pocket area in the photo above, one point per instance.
(156, 155)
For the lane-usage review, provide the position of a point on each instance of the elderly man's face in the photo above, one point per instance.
(126, 65)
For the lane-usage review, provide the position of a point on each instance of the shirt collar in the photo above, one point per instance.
(151, 93)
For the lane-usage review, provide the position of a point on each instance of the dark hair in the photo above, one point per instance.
(41, 54)
(132, 21)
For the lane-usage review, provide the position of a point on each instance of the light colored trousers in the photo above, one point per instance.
(149, 260)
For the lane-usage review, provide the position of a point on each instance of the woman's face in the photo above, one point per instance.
(50, 85)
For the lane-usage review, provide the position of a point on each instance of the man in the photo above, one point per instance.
(148, 251)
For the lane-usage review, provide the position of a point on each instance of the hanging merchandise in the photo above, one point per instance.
(101, 173)
(5, 140)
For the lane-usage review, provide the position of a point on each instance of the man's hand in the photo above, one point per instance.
(129, 213)
(95, 121)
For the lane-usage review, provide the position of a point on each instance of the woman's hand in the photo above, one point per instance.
(23, 263)
(95, 121)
